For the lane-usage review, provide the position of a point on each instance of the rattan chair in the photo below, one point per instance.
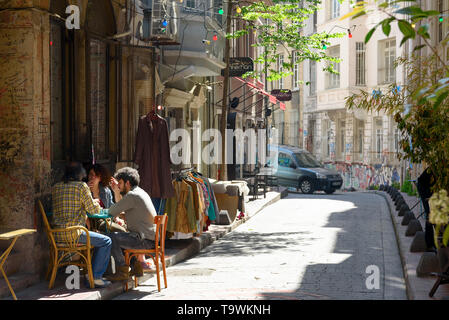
(61, 252)
(158, 253)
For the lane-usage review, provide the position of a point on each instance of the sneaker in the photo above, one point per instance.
(98, 283)
(146, 266)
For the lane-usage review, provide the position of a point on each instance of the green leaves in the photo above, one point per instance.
(369, 34)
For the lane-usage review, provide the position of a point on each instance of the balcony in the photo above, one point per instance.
(198, 49)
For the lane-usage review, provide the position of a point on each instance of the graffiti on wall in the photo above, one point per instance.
(360, 176)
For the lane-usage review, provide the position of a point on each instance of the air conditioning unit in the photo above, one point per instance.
(164, 22)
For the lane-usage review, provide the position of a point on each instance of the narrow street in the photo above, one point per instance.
(302, 247)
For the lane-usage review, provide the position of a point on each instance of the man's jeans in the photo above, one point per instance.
(102, 252)
(127, 240)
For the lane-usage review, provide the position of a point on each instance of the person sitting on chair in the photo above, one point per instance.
(72, 201)
(139, 213)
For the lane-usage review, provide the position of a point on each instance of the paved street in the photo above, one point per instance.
(302, 247)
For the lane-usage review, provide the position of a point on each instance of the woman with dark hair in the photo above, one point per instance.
(99, 179)
(98, 182)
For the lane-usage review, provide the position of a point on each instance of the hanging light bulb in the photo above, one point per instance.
(164, 23)
(441, 19)
(324, 45)
(215, 37)
(220, 11)
(349, 33)
(238, 10)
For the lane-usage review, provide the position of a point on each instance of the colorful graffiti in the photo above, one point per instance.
(361, 176)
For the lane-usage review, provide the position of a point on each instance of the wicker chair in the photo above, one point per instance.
(158, 253)
(61, 253)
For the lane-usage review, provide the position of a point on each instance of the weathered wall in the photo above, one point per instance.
(360, 176)
(24, 125)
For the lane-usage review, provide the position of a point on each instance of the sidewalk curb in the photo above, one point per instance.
(409, 291)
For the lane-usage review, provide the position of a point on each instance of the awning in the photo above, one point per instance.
(258, 86)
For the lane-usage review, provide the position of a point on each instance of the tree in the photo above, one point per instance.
(421, 106)
(283, 21)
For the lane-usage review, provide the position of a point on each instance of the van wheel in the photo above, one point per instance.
(329, 191)
(306, 186)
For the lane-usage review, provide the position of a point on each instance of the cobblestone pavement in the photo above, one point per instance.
(302, 247)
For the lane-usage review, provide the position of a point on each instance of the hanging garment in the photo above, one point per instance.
(211, 210)
(152, 155)
(180, 209)
(213, 199)
(203, 187)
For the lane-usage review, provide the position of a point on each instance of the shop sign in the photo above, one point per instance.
(239, 66)
(282, 94)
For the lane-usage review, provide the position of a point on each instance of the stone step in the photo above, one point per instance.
(19, 281)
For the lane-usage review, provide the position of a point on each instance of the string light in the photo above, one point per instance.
(349, 33)
(215, 37)
(164, 23)
(238, 10)
(324, 45)
(441, 19)
(220, 11)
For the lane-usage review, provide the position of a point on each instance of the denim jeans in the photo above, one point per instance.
(127, 240)
(102, 252)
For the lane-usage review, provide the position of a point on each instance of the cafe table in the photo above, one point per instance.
(8, 234)
(103, 215)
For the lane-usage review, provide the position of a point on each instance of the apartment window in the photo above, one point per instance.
(342, 136)
(190, 4)
(333, 80)
(387, 56)
(360, 79)
(295, 71)
(333, 9)
(379, 142)
(312, 77)
(280, 70)
(396, 140)
(360, 139)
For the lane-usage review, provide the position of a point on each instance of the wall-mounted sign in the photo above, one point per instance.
(239, 66)
(282, 94)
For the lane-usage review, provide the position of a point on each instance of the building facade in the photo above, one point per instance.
(362, 146)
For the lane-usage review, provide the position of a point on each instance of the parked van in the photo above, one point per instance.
(299, 169)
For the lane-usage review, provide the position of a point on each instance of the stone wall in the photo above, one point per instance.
(24, 127)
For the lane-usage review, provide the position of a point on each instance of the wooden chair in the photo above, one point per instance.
(61, 252)
(158, 253)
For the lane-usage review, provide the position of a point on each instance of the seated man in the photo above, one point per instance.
(72, 200)
(139, 214)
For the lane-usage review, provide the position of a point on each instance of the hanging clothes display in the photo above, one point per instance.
(152, 155)
(193, 207)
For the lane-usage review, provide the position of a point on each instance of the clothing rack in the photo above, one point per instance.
(177, 173)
